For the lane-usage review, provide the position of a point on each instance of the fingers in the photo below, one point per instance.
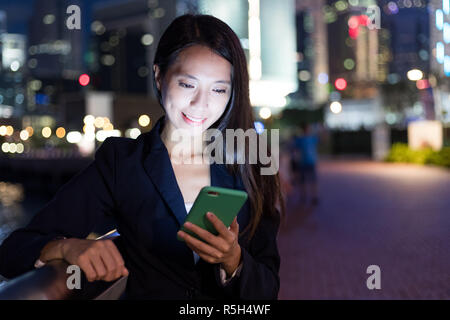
(113, 269)
(215, 241)
(119, 263)
(85, 264)
(234, 227)
(218, 248)
(99, 267)
(203, 255)
(101, 260)
(199, 246)
(218, 224)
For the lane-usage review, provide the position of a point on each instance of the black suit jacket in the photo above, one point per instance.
(133, 181)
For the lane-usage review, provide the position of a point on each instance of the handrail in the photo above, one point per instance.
(50, 283)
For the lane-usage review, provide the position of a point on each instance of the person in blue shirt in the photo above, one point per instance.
(306, 147)
(201, 80)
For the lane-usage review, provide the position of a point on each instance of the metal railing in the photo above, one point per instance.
(50, 283)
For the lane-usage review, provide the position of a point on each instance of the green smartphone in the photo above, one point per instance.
(223, 202)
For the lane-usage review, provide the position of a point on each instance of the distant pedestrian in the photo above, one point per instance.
(306, 146)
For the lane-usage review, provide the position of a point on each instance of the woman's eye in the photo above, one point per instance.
(185, 85)
(220, 90)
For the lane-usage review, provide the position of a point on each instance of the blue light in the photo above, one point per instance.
(446, 6)
(446, 32)
(393, 8)
(439, 19)
(440, 52)
(259, 127)
(447, 66)
(323, 78)
(41, 99)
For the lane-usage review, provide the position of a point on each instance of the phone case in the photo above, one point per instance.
(223, 202)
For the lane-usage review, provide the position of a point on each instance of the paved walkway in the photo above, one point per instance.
(392, 215)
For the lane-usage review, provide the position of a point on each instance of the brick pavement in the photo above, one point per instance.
(395, 216)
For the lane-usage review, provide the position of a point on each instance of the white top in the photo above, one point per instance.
(188, 206)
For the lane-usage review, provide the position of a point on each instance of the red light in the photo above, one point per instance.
(340, 84)
(353, 22)
(422, 84)
(363, 20)
(353, 33)
(84, 79)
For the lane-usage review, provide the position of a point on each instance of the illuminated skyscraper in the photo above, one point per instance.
(12, 57)
(129, 29)
(440, 57)
(408, 25)
(267, 32)
(440, 37)
(2, 22)
(312, 54)
(55, 50)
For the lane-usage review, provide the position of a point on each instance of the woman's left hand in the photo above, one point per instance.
(223, 248)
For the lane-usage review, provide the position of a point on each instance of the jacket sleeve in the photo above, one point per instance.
(258, 279)
(73, 212)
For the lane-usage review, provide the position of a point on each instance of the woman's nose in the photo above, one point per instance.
(200, 99)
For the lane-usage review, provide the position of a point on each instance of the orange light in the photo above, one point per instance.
(9, 130)
(30, 131)
(60, 132)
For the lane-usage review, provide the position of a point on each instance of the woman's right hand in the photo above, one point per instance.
(99, 259)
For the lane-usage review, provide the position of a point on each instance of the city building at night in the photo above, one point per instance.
(312, 56)
(12, 75)
(355, 66)
(440, 57)
(55, 51)
(267, 30)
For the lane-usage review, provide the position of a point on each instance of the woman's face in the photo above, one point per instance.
(196, 89)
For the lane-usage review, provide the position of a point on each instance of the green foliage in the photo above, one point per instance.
(400, 152)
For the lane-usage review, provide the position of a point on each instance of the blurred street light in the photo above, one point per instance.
(336, 107)
(24, 135)
(133, 133)
(30, 131)
(340, 84)
(84, 80)
(9, 131)
(144, 120)
(265, 113)
(99, 122)
(89, 120)
(46, 132)
(60, 132)
(73, 137)
(414, 74)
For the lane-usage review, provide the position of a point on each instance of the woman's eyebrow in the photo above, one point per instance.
(192, 77)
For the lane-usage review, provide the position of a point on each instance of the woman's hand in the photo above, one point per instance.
(223, 248)
(99, 259)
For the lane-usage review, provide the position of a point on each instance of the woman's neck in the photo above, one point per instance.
(179, 146)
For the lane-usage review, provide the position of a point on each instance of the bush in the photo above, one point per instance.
(400, 152)
(441, 158)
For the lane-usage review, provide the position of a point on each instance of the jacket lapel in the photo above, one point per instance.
(159, 168)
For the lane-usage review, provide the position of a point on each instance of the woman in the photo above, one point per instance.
(201, 78)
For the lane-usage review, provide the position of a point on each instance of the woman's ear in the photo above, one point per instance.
(157, 79)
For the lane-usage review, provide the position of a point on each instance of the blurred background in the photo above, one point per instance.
(358, 88)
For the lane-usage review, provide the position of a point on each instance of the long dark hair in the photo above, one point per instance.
(189, 29)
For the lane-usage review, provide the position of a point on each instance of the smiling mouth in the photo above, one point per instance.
(193, 120)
